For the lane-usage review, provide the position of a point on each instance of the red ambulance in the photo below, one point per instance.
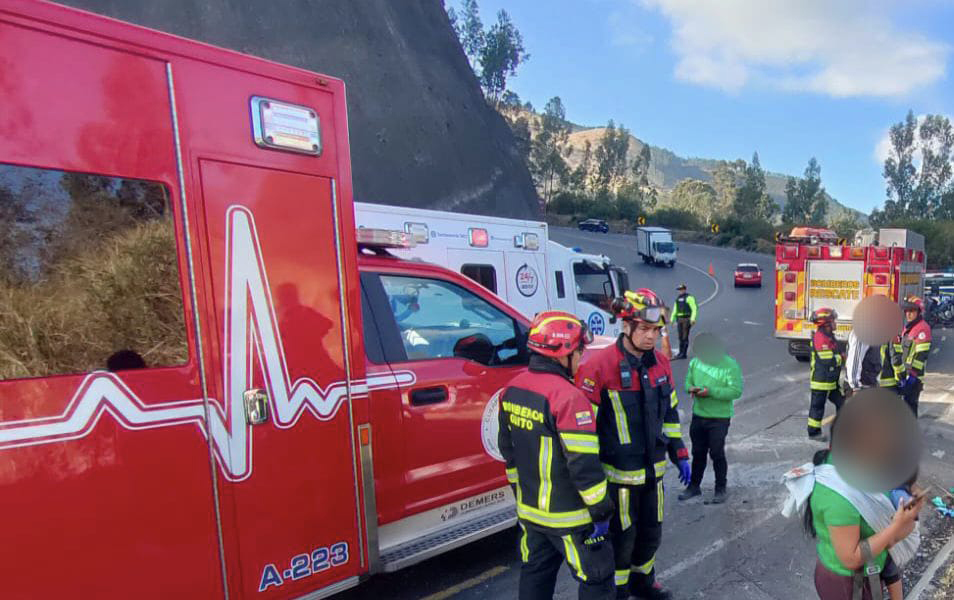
(210, 385)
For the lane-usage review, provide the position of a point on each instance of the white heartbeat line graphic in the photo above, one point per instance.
(250, 327)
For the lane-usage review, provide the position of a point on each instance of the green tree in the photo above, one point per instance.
(469, 29)
(610, 155)
(725, 180)
(640, 172)
(805, 199)
(501, 54)
(918, 171)
(696, 197)
(550, 148)
(751, 200)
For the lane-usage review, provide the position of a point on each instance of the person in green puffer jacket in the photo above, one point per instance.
(714, 380)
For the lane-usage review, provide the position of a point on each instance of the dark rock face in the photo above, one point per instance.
(421, 133)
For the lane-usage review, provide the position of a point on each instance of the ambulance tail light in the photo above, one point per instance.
(791, 277)
(384, 238)
(478, 237)
(527, 241)
(790, 296)
(920, 257)
(857, 253)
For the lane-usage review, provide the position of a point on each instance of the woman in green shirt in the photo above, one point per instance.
(714, 380)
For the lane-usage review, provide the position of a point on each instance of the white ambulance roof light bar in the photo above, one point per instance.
(384, 238)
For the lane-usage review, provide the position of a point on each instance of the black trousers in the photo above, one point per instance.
(684, 325)
(816, 411)
(708, 438)
(636, 533)
(912, 395)
(542, 553)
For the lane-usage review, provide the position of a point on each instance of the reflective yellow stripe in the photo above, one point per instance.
(922, 347)
(814, 423)
(512, 475)
(637, 477)
(622, 577)
(550, 320)
(645, 568)
(548, 519)
(573, 557)
(596, 409)
(584, 443)
(917, 364)
(621, 426)
(824, 386)
(524, 548)
(595, 494)
(825, 354)
(660, 500)
(546, 462)
(624, 520)
(660, 468)
(671, 430)
(884, 382)
(673, 400)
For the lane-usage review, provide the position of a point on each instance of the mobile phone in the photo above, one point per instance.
(915, 498)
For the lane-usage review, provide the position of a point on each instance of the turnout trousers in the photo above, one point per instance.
(708, 438)
(816, 411)
(542, 554)
(636, 532)
(912, 395)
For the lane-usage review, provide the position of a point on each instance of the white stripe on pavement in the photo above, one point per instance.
(714, 280)
(928, 574)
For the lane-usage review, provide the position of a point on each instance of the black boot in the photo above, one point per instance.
(654, 592)
(690, 492)
(719, 496)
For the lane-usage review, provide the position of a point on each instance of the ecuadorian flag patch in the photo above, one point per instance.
(584, 417)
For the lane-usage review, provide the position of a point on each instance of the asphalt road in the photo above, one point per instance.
(743, 550)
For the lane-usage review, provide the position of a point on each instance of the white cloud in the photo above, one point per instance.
(839, 48)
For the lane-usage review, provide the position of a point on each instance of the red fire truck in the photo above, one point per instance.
(210, 384)
(815, 269)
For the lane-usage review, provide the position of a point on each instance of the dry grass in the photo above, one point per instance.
(120, 292)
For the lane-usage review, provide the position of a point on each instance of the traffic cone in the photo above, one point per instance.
(711, 270)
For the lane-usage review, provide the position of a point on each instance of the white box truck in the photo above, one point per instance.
(655, 245)
(513, 258)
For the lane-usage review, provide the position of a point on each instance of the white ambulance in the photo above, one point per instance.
(513, 258)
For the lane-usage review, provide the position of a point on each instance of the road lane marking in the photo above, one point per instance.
(719, 544)
(466, 585)
(928, 574)
(751, 323)
(704, 272)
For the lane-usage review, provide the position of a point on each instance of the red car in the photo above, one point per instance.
(748, 274)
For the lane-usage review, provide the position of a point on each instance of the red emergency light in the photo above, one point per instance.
(791, 278)
(857, 253)
(790, 296)
(383, 238)
(814, 251)
(478, 237)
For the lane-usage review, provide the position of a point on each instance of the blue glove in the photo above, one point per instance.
(908, 382)
(899, 496)
(685, 472)
(600, 531)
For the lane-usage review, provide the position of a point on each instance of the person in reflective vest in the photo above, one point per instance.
(548, 440)
(631, 384)
(826, 365)
(910, 352)
(686, 312)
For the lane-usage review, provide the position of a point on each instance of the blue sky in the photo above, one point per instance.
(724, 78)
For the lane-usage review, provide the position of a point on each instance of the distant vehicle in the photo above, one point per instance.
(655, 245)
(749, 274)
(938, 284)
(594, 225)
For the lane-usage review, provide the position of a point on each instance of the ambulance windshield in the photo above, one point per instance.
(593, 284)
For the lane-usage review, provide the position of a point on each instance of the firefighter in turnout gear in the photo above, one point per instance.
(826, 365)
(910, 352)
(632, 385)
(549, 442)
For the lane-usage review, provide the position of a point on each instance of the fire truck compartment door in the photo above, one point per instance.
(289, 505)
(834, 284)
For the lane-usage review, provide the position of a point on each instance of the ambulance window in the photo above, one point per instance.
(593, 284)
(89, 275)
(485, 275)
(561, 290)
(439, 319)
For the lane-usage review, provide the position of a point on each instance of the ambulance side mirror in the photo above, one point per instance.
(256, 406)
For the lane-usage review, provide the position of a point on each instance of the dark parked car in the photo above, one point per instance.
(594, 225)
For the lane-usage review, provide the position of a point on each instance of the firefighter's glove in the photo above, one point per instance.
(685, 471)
(899, 496)
(909, 381)
(600, 531)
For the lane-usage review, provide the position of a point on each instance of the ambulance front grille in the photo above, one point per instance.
(447, 539)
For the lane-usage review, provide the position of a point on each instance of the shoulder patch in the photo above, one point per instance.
(588, 384)
(922, 335)
(584, 417)
(662, 379)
